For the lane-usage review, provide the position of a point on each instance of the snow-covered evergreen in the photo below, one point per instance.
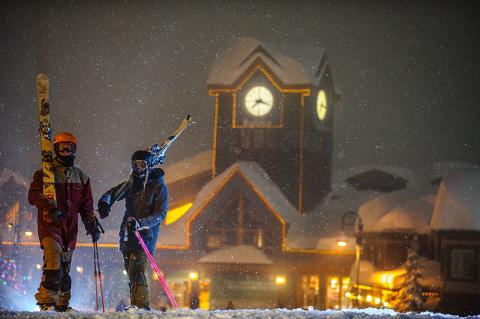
(409, 297)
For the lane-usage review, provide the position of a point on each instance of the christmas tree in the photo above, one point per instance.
(409, 296)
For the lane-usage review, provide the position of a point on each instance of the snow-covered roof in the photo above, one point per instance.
(188, 167)
(255, 176)
(398, 210)
(320, 228)
(340, 176)
(232, 63)
(7, 174)
(241, 254)
(457, 205)
(443, 168)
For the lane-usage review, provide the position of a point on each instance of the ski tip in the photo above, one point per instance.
(42, 76)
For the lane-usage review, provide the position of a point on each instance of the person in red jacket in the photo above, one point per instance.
(58, 222)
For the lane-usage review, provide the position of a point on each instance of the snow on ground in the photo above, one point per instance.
(233, 314)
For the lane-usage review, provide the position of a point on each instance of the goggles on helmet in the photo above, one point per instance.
(139, 165)
(64, 147)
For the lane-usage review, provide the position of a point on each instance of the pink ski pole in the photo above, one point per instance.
(163, 283)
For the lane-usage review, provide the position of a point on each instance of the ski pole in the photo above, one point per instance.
(100, 277)
(95, 276)
(162, 280)
(97, 270)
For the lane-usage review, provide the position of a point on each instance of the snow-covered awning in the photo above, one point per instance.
(240, 255)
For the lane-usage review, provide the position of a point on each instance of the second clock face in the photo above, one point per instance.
(258, 101)
(321, 105)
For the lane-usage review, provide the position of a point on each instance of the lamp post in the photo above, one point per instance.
(352, 218)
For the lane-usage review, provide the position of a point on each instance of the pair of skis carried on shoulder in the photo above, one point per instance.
(158, 153)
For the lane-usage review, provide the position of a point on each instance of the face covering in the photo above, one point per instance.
(65, 154)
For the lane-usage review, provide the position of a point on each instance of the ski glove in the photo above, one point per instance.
(92, 227)
(133, 225)
(56, 215)
(103, 209)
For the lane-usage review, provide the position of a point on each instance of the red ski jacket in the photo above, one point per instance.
(74, 197)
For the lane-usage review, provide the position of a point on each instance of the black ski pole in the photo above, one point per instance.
(99, 277)
(95, 276)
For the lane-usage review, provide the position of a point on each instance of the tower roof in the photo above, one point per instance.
(234, 62)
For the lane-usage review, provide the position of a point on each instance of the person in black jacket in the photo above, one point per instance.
(146, 205)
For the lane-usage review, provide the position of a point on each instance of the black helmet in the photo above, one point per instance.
(142, 155)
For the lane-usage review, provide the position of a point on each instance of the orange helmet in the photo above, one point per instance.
(65, 137)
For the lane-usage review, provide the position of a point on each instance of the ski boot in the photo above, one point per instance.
(64, 309)
(136, 308)
(46, 306)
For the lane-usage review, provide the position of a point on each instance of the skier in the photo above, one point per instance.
(146, 205)
(58, 222)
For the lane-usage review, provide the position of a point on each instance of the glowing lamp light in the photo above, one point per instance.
(193, 275)
(28, 233)
(377, 301)
(280, 280)
(38, 266)
(80, 269)
(385, 304)
(342, 241)
(348, 294)
(333, 283)
(369, 298)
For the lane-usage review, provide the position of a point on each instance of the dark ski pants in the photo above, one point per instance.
(56, 283)
(135, 262)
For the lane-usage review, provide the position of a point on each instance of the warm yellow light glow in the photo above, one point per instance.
(280, 280)
(80, 269)
(193, 275)
(387, 279)
(28, 233)
(359, 297)
(385, 304)
(321, 105)
(174, 214)
(154, 276)
(348, 294)
(377, 301)
(341, 243)
(369, 298)
(333, 283)
(383, 279)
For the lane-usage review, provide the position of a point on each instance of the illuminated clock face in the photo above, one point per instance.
(259, 101)
(321, 105)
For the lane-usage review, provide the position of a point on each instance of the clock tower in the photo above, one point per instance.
(269, 110)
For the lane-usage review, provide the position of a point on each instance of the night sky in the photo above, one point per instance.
(124, 73)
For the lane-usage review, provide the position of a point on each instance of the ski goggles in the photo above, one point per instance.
(139, 165)
(65, 148)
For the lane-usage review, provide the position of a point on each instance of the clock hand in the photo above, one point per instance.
(262, 101)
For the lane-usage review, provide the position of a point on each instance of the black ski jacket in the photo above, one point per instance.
(148, 204)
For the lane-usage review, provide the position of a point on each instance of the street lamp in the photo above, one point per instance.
(352, 218)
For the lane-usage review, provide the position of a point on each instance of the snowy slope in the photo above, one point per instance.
(226, 314)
